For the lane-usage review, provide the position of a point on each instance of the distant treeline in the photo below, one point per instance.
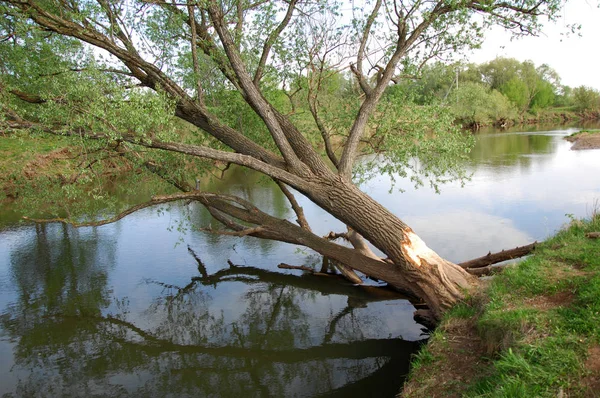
(501, 91)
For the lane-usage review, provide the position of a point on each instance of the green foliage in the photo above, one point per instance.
(416, 141)
(586, 99)
(544, 97)
(564, 97)
(433, 85)
(476, 104)
(517, 92)
(489, 92)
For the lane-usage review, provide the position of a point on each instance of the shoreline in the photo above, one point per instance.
(547, 117)
(585, 139)
(532, 331)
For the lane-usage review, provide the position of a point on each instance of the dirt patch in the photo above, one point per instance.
(459, 360)
(584, 141)
(591, 382)
(42, 162)
(544, 303)
(562, 269)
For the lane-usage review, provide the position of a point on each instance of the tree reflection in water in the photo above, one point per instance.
(72, 338)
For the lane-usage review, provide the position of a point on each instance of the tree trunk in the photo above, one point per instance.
(416, 267)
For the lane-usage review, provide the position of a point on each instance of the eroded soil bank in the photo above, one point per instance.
(585, 140)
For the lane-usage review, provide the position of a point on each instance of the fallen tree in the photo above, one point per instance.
(165, 59)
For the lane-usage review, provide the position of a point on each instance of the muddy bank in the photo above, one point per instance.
(585, 140)
(547, 117)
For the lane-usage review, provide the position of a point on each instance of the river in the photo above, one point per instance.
(125, 310)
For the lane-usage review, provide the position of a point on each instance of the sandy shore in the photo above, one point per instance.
(585, 140)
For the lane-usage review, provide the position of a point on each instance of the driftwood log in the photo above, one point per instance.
(494, 258)
(593, 235)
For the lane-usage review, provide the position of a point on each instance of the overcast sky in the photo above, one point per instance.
(576, 59)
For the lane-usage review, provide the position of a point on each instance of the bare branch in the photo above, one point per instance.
(298, 267)
(493, 258)
(244, 232)
(295, 205)
(358, 71)
(193, 45)
(271, 40)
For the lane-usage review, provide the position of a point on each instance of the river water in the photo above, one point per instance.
(114, 311)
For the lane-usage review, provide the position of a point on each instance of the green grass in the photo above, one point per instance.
(535, 325)
(47, 176)
(588, 131)
(17, 149)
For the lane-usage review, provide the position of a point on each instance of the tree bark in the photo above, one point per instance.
(415, 267)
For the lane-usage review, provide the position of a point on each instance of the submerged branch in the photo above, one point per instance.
(201, 266)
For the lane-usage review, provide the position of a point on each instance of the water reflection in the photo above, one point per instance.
(285, 335)
(506, 149)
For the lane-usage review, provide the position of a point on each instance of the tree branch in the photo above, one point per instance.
(493, 258)
(251, 92)
(358, 71)
(301, 218)
(151, 77)
(368, 106)
(193, 45)
(271, 40)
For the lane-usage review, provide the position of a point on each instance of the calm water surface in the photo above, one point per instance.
(114, 311)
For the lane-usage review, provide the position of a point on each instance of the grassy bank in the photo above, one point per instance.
(543, 116)
(49, 176)
(533, 331)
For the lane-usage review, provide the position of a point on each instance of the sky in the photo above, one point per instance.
(575, 58)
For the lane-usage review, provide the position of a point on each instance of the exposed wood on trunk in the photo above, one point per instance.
(493, 258)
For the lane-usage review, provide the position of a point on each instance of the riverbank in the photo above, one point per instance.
(49, 176)
(533, 331)
(546, 116)
(585, 139)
